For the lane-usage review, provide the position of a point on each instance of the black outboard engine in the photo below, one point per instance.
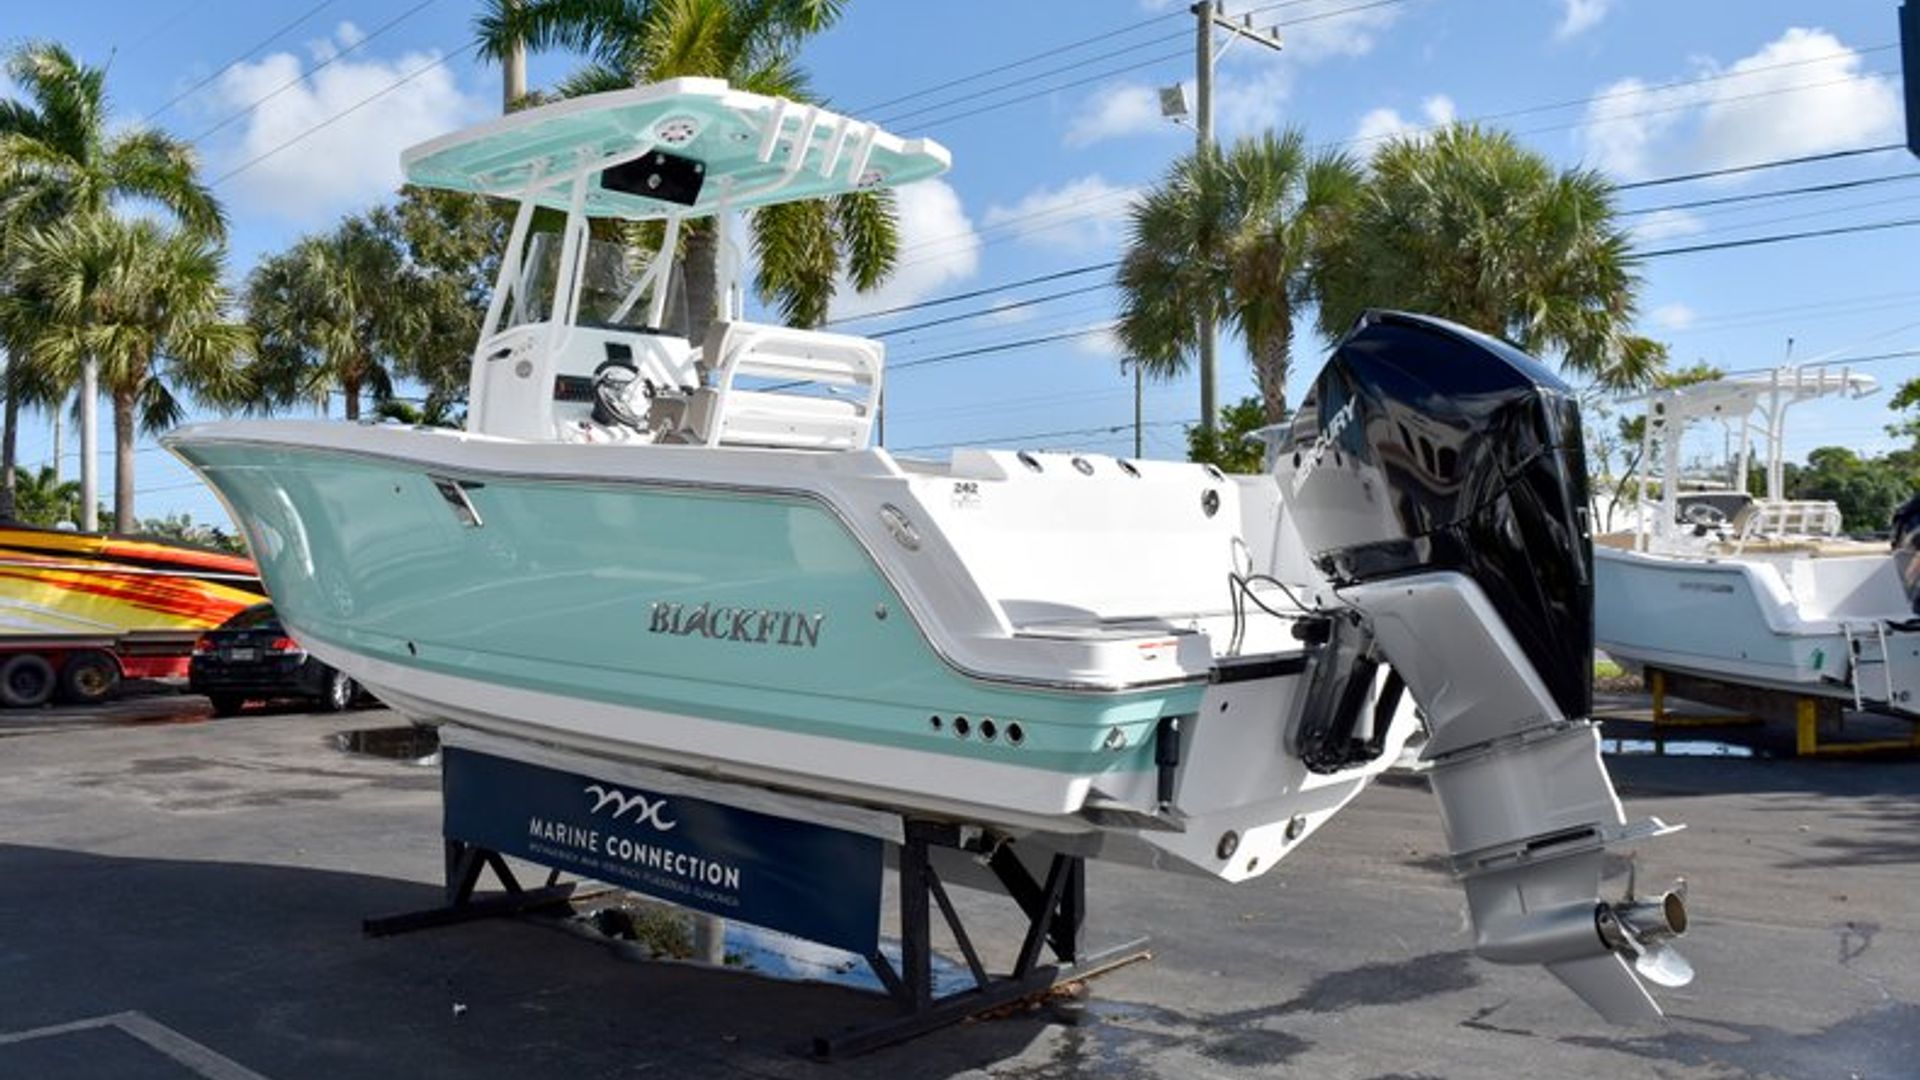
(1427, 446)
(1436, 477)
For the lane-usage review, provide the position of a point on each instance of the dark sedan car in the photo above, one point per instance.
(251, 656)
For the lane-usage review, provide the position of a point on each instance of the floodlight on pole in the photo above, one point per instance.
(1173, 102)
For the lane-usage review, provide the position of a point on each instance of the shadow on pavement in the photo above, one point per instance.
(267, 965)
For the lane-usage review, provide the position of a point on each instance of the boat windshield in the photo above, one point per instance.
(610, 273)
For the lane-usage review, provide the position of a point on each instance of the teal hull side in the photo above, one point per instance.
(560, 591)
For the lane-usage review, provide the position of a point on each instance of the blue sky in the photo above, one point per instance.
(1047, 151)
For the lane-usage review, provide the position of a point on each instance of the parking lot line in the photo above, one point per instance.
(200, 1059)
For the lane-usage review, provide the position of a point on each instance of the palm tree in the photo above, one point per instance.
(802, 248)
(337, 312)
(1234, 234)
(147, 304)
(1469, 225)
(45, 499)
(59, 156)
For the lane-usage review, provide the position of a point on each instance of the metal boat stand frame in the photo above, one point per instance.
(1055, 911)
(465, 862)
(1808, 714)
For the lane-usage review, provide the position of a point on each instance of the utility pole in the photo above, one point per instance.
(1136, 410)
(1207, 15)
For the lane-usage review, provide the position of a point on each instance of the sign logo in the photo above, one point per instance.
(754, 626)
(797, 877)
(645, 811)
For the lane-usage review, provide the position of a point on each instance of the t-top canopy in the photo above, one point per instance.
(708, 142)
(1738, 395)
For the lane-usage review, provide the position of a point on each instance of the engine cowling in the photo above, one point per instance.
(1427, 446)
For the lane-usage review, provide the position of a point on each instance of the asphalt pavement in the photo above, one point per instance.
(182, 898)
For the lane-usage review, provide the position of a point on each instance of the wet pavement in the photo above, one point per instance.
(184, 899)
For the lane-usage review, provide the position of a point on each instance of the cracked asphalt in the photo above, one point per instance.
(184, 899)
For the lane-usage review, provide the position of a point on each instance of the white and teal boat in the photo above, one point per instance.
(1762, 593)
(691, 553)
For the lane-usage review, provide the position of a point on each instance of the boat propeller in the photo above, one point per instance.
(1641, 932)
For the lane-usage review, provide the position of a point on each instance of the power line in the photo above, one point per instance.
(1038, 75)
(317, 68)
(1655, 182)
(1778, 238)
(1781, 219)
(1108, 429)
(1023, 61)
(1848, 361)
(1809, 189)
(1070, 47)
(1678, 84)
(163, 24)
(336, 117)
(1178, 54)
(1087, 211)
(229, 65)
(1085, 331)
(1832, 155)
(955, 297)
(1005, 346)
(995, 310)
(1181, 54)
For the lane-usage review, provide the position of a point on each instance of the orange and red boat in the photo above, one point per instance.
(54, 582)
(81, 611)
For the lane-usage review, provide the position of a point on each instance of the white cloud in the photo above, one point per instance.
(1103, 343)
(1665, 225)
(1382, 124)
(1672, 316)
(1580, 16)
(1080, 215)
(352, 160)
(1626, 120)
(938, 247)
(1124, 109)
(1319, 29)
(1803, 93)
(1837, 107)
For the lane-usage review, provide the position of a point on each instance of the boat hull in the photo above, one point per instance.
(750, 634)
(638, 603)
(54, 582)
(1826, 628)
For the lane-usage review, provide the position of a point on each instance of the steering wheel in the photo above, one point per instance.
(1704, 514)
(612, 384)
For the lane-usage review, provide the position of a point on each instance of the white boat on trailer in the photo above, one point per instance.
(1757, 592)
(690, 554)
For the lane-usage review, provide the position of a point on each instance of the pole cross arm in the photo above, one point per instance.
(1244, 28)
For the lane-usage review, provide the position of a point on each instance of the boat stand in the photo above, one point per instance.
(1055, 911)
(465, 862)
(1809, 715)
